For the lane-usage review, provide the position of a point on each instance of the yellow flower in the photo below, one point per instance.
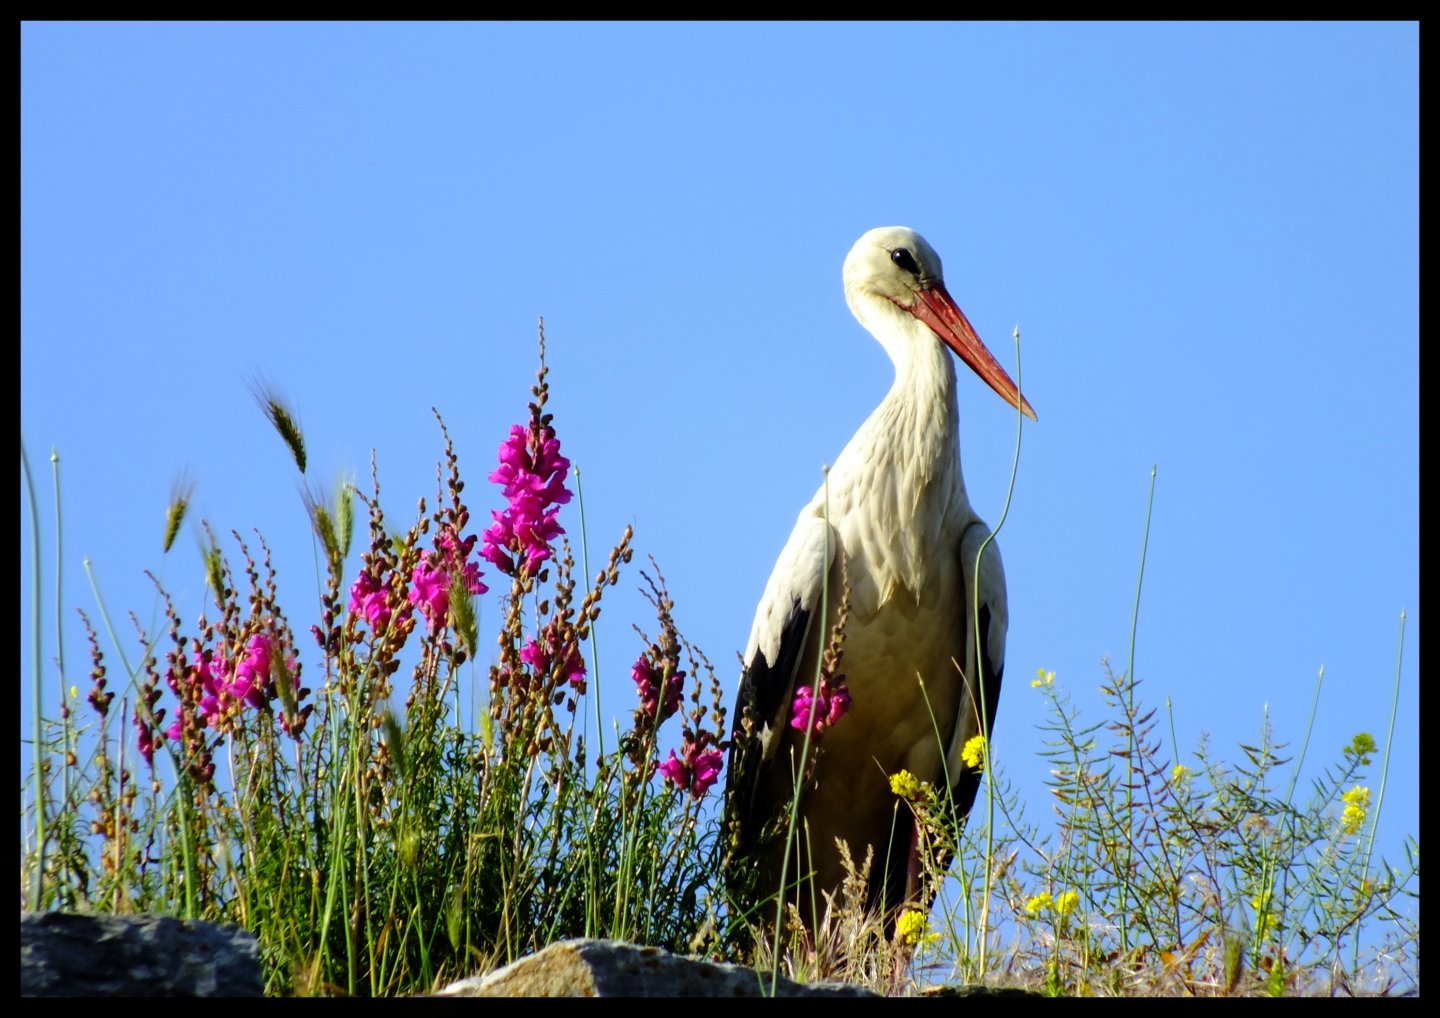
(1180, 774)
(1045, 679)
(1357, 804)
(1264, 923)
(1361, 746)
(974, 752)
(905, 785)
(1067, 902)
(1264, 918)
(913, 928)
(1039, 904)
(74, 692)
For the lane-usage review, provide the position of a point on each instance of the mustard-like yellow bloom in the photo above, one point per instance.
(1264, 918)
(1357, 804)
(1180, 774)
(913, 927)
(1362, 745)
(1045, 679)
(905, 785)
(1067, 902)
(1038, 904)
(974, 752)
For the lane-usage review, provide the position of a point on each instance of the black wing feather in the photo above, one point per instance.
(765, 693)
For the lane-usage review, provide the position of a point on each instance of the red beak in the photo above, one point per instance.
(936, 308)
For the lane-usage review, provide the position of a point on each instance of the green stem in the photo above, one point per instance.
(41, 821)
(1384, 774)
(1130, 710)
(982, 945)
(69, 736)
(799, 775)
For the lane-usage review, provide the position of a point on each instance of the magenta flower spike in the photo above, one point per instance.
(826, 710)
(541, 656)
(532, 476)
(697, 768)
(143, 740)
(647, 684)
(431, 577)
(371, 598)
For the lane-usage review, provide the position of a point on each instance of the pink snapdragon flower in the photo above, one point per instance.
(432, 577)
(371, 598)
(532, 477)
(647, 684)
(208, 702)
(247, 681)
(251, 682)
(539, 656)
(144, 741)
(827, 709)
(697, 767)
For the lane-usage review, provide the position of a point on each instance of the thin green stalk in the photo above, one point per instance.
(327, 851)
(594, 686)
(1130, 708)
(1305, 743)
(42, 824)
(983, 940)
(1384, 770)
(594, 635)
(1270, 861)
(804, 747)
(68, 727)
(1389, 741)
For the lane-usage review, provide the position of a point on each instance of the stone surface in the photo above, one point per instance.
(63, 954)
(612, 968)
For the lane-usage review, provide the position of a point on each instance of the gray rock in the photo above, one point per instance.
(613, 968)
(63, 954)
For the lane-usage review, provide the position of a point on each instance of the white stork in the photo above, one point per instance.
(895, 512)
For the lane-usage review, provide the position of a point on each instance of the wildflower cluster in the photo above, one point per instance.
(557, 648)
(698, 766)
(660, 685)
(234, 668)
(1361, 747)
(435, 573)
(974, 752)
(1044, 902)
(370, 598)
(219, 685)
(907, 786)
(1264, 915)
(1357, 805)
(532, 474)
(913, 928)
(822, 704)
(649, 683)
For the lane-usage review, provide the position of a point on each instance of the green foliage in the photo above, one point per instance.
(1167, 879)
(374, 848)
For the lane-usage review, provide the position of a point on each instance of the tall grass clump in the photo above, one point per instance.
(379, 805)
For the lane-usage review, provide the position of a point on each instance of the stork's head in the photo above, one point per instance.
(894, 265)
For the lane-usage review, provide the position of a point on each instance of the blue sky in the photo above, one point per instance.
(1208, 236)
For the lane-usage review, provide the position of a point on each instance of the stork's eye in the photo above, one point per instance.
(903, 258)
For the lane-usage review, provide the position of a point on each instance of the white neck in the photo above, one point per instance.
(904, 462)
